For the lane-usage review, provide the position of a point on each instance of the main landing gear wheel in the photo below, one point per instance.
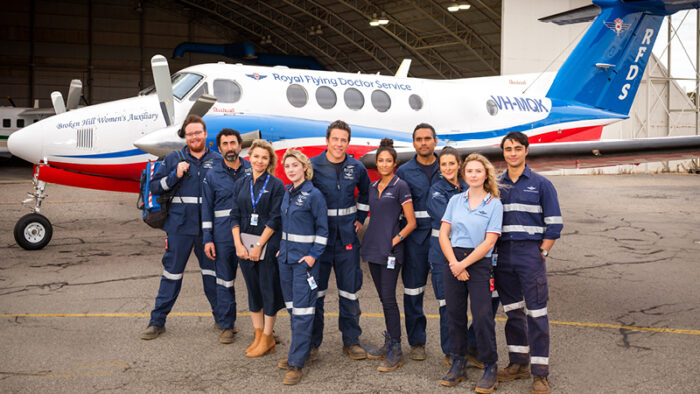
(33, 231)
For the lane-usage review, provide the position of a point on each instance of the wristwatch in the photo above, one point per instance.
(258, 243)
(400, 236)
(544, 252)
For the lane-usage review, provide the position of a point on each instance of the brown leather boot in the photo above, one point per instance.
(256, 340)
(513, 371)
(540, 385)
(266, 345)
(292, 376)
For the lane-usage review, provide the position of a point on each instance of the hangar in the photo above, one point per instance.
(108, 44)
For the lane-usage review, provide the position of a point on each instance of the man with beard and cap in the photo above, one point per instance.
(183, 172)
(217, 199)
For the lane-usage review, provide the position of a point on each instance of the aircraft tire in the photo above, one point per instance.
(33, 231)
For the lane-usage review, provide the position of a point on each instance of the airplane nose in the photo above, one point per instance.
(27, 144)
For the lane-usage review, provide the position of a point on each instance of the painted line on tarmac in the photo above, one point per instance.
(335, 314)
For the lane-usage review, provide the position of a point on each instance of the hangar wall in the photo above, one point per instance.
(107, 44)
(528, 45)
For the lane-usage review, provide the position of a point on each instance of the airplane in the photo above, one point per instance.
(106, 146)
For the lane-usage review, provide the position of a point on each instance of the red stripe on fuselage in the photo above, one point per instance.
(69, 178)
(590, 133)
(130, 171)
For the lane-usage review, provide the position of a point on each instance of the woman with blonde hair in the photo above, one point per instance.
(469, 230)
(304, 238)
(255, 222)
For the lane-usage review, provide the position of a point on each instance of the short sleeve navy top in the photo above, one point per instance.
(384, 221)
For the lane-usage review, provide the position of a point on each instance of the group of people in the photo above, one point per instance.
(482, 235)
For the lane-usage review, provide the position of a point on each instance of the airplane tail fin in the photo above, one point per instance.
(606, 67)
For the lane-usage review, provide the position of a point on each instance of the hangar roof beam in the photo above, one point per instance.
(348, 32)
(407, 38)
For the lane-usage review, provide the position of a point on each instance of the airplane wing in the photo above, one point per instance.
(588, 154)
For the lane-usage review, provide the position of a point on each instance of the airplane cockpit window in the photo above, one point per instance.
(354, 98)
(20, 123)
(297, 96)
(381, 100)
(226, 91)
(200, 91)
(183, 83)
(326, 97)
(415, 102)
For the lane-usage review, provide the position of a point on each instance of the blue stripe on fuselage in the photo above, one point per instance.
(124, 153)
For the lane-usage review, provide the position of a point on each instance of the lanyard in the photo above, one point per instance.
(256, 200)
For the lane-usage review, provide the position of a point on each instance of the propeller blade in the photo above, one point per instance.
(57, 100)
(199, 108)
(164, 87)
(248, 138)
(74, 92)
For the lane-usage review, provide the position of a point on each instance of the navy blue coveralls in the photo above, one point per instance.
(440, 193)
(417, 246)
(261, 277)
(183, 229)
(304, 233)
(217, 199)
(342, 252)
(530, 214)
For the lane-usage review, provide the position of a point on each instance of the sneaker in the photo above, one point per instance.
(540, 385)
(293, 376)
(417, 353)
(355, 352)
(381, 352)
(456, 374)
(393, 359)
(489, 381)
(226, 336)
(152, 332)
(514, 371)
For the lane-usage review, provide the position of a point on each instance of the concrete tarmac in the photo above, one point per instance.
(624, 303)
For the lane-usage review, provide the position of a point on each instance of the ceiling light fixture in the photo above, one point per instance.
(454, 7)
(374, 22)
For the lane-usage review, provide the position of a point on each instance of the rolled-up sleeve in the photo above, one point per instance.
(496, 219)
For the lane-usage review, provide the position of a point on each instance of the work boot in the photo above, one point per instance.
(447, 361)
(293, 376)
(313, 356)
(540, 385)
(265, 345)
(152, 332)
(226, 336)
(217, 326)
(417, 353)
(380, 353)
(355, 352)
(277, 338)
(489, 381)
(456, 374)
(256, 340)
(473, 359)
(513, 371)
(393, 359)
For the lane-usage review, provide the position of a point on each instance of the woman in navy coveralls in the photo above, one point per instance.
(304, 238)
(383, 250)
(256, 211)
(470, 227)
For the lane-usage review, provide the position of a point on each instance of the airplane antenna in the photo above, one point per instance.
(576, 39)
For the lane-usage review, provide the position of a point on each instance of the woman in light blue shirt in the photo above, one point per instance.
(469, 230)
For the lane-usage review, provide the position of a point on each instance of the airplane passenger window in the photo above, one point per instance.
(7, 123)
(200, 91)
(415, 102)
(381, 100)
(326, 97)
(296, 95)
(183, 83)
(20, 123)
(226, 91)
(354, 98)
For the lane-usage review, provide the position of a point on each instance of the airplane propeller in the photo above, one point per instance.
(164, 87)
(74, 93)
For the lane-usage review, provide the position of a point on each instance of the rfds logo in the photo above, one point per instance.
(618, 26)
(256, 76)
(633, 71)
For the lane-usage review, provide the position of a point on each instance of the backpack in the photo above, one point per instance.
(155, 207)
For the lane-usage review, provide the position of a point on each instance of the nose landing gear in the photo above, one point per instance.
(33, 231)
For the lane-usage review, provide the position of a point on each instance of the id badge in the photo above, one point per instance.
(494, 259)
(253, 219)
(391, 262)
(312, 281)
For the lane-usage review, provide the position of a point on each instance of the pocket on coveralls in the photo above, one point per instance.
(542, 291)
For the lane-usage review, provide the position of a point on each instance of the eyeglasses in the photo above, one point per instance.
(198, 133)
